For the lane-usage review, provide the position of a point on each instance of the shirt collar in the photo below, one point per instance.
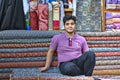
(69, 37)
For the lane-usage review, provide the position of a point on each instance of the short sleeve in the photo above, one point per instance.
(85, 46)
(54, 43)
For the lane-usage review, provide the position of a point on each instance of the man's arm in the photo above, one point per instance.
(48, 60)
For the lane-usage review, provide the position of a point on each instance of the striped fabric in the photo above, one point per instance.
(24, 52)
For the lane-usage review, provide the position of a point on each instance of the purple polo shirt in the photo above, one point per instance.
(60, 43)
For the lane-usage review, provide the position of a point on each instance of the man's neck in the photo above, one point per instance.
(70, 34)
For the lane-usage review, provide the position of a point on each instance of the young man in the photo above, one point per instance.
(74, 57)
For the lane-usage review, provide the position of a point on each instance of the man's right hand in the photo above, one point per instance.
(43, 69)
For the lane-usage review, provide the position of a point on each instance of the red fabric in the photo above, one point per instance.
(43, 16)
(56, 24)
(33, 21)
(33, 15)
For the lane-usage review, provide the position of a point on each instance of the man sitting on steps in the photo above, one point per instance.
(74, 57)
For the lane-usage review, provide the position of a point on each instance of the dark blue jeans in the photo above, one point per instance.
(83, 65)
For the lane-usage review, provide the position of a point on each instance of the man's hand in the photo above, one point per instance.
(43, 69)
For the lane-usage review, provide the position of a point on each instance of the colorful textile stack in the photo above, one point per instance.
(56, 15)
(23, 52)
(112, 18)
(112, 21)
(112, 4)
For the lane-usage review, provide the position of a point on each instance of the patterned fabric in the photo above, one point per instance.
(104, 45)
(101, 54)
(107, 72)
(25, 64)
(52, 76)
(25, 45)
(50, 22)
(104, 49)
(89, 15)
(43, 16)
(33, 15)
(24, 52)
(108, 62)
(24, 34)
(102, 38)
(28, 41)
(105, 67)
(22, 55)
(39, 49)
(108, 58)
(108, 77)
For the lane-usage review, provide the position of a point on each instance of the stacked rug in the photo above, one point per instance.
(23, 52)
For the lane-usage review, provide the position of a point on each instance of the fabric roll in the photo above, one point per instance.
(110, 6)
(108, 58)
(102, 38)
(111, 1)
(106, 67)
(101, 54)
(50, 22)
(103, 45)
(109, 21)
(117, 25)
(99, 34)
(116, 20)
(56, 15)
(5, 70)
(24, 41)
(12, 15)
(33, 21)
(114, 77)
(106, 72)
(105, 49)
(62, 14)
(43, 16)
(108, 15)
(115, 15)
(24, 34)
(104, 42)
(38, 49)
(33, 15)
(74, 7)
(26, 64)
(109, 26)
(24, 45)
(107, 62)
(118, 6)
(25, 59)
(23, 54)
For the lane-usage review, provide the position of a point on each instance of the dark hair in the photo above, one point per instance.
(69, 17)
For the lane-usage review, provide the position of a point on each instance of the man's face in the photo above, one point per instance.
(69, 26)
